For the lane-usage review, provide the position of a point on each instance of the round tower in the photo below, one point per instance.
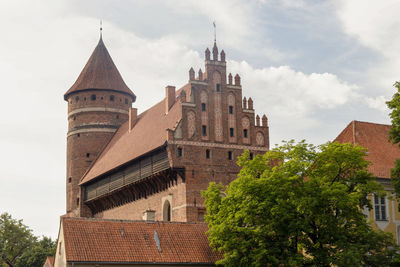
(98, 103)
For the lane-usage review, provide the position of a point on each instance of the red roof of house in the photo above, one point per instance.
(100, 73)
(375, 137)
(96, 240)
(148, 133)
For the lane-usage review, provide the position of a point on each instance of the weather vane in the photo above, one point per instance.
(101, 28)
(215, 32)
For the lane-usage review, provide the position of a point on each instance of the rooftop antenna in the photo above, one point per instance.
(215, 32)
(101, 28)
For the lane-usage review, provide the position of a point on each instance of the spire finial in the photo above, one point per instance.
(101, 29)
(215, 32)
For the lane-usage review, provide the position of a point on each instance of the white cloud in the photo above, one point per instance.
(375, 25)
(297, 93)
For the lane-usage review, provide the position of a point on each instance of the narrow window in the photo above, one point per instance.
(74, 117)
(167, 211)
(203, 106)
(77, 201)
(245, 133)
(84, 98)
(87, 155)
(93, 97)
(231, 132)
(77, 98)
(112, 98)
(230, 155)
(204, 130)
(126, 101)
(218, 87)
(380, 208)
(208, 154)
(179, 152)
(230, 109)
(69, 180)
(251, 156)
(79, 135)
(117, 116)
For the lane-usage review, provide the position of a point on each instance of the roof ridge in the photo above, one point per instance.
(128, 221)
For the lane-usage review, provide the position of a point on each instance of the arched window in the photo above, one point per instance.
(167, 211)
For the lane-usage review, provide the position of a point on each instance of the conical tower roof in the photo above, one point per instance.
(100, 73)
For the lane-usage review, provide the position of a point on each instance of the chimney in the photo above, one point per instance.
(169, 97)
(257, 120)
(149, 215)
(132, 117)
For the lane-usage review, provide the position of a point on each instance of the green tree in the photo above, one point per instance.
(298, 205)
(394, 136)
(19, 247)
(36, 255)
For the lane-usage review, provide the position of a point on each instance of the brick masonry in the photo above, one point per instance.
(217, 123)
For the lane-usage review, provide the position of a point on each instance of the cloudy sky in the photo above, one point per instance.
(311, 66)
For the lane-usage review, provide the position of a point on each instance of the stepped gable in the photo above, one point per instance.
(108, 241)
(100, 73)
(375, 137)
(148, 133)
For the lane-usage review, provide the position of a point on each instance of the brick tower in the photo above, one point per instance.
(98, 103)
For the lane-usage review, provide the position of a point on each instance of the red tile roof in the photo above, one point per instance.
(148, 133)
(95, 240)
(100, 73)
(375, 137)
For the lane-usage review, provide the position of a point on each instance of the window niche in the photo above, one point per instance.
(167, 211)
(208, 154)
(204, 130)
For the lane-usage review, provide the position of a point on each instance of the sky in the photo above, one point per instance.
(312, 66)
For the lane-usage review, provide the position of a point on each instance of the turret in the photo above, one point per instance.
(223, 55)
(207, 54)
(237, 79)
(250, 103)
(191, 74)
(98, 103)
(215, 52)
(200, 75)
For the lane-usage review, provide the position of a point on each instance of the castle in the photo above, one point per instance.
(134, 180)
(153, 165)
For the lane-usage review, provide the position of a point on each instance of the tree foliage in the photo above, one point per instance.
(394, 136)
(19, 247)
(298, 205)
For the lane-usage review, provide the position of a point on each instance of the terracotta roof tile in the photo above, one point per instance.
(100, 73)
(148, 133)
(98, 240)
(375, 137)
